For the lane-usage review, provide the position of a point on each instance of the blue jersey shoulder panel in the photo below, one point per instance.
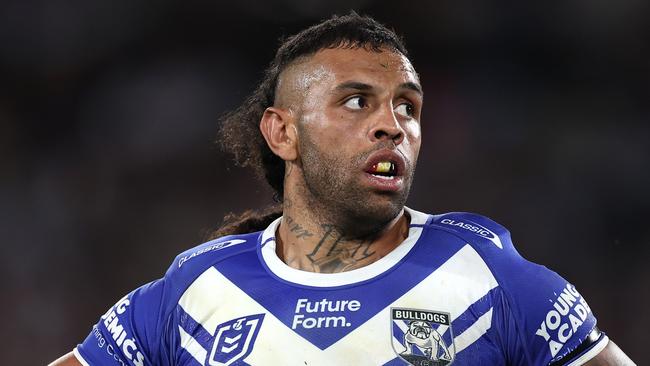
(545, 317)
(474, 228)
(191, 263)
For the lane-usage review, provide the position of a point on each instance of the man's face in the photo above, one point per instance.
(358, 132)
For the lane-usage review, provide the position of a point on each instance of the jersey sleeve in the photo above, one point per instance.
(130, 332)
(544, 319)
(551, 324)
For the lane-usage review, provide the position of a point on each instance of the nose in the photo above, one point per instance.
(386, 127)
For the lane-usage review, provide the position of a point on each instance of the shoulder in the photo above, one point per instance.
(188, 266)
(483, 233)
(492, 242)
(489, 240)
(192, 262)
(545, 317)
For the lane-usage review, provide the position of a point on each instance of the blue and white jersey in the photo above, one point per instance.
(455, 291)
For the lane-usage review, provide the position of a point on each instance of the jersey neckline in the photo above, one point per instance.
(278, 268)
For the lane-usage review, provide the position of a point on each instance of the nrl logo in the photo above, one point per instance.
(419, 337)
(234, 340)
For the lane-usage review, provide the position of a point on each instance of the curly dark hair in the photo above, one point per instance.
(240, 134)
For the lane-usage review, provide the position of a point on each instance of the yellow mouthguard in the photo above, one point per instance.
(383, 167)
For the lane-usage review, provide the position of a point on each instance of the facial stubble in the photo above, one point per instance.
(335, 195)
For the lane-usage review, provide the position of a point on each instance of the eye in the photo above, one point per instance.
(356, 103)
(405, 109)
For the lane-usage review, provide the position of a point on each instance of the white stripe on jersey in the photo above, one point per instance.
(473, 333)
(454, 287)
(192, 346)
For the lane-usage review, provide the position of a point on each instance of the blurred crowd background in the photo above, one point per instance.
(536, 114)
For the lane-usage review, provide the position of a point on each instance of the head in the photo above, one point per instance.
(335, 121)
(420, 329)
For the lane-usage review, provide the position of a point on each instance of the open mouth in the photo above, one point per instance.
(383, 170)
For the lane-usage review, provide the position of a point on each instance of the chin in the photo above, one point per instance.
(374, 213)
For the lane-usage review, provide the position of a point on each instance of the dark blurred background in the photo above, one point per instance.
(536, 114)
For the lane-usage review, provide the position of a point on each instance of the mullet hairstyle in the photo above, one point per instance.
(240, 134)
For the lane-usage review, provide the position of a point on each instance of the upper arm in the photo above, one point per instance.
(66, 360)
(554, 323)
(131, 332)
(610, 356)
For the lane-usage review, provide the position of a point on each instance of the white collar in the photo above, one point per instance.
(281, 270)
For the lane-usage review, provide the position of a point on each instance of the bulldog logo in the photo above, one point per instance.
(421, 337)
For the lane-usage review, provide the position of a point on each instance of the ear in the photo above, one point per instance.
(279, 131)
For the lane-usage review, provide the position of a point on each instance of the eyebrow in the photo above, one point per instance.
(353, 85)
(412, 86)
(356, 85)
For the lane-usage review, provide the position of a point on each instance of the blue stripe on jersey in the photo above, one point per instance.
(397, 333)
(194, 329)
(280, 297)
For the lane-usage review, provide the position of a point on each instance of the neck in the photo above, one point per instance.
(308, 242)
